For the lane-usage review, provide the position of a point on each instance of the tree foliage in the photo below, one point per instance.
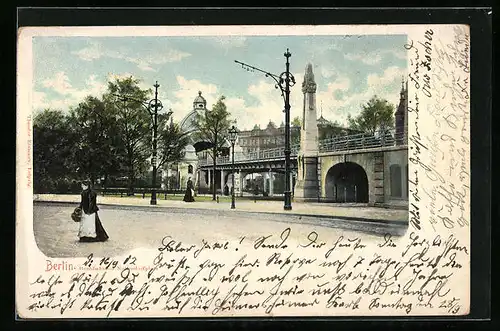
(296, 121)
(101, 137)
(376, 113)
(171, 144)
(212, 126)
(96, 152)
(126, 102)
(53, 149)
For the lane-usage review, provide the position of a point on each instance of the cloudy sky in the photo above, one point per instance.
(348, 71)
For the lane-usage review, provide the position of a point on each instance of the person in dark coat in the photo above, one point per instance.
(91, 229)
(255, 193)
(189, 195)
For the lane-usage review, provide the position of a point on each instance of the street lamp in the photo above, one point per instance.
(233, 135)
(153, 107)
(284, 81)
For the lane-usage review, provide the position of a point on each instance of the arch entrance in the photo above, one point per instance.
(347, 182)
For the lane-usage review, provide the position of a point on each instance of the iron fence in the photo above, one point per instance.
(381, 138)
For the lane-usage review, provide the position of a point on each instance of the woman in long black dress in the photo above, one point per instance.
(91, 229)
(188, 196)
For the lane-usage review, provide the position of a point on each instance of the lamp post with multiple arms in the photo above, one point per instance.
(153, 107)
(233, 135)
(284, 82)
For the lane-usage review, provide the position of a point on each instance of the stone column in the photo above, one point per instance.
(222, 182)
(242, 180)
(376, 190)
(209, 172)
(271, 184)
(264, 175)
(203, 178)
(306, 186)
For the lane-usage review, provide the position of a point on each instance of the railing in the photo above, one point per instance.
(364, 141)
(339, 143)
(266, 154)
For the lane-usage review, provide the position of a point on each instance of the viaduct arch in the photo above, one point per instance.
(346, 182)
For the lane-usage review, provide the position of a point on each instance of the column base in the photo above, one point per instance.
(307, 188)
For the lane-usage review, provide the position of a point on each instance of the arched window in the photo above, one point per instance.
(395, 176)
(190, 169)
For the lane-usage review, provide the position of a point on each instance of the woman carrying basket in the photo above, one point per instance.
(91, 229)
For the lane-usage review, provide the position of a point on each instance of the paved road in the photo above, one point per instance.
(132, 227)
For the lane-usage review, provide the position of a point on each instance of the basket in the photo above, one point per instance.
(76, 215)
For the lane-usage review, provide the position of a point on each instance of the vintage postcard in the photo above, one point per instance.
(232, 171)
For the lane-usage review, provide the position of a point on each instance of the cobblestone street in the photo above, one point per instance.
(131, 227)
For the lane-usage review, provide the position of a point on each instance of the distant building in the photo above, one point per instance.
(257, 139)
(177, 175)
(328, 129)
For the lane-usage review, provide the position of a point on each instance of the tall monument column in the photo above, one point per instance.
(401, 116)
(306, 187)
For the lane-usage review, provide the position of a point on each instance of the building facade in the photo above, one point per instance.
(257, 139)
(177, 175)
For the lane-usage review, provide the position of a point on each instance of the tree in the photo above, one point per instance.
(212, 126)
(53, 147)
(134, 125)
(98, 149)
(296, 121)
(376, 113)
(171, 144)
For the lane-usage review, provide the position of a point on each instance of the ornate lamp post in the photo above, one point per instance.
(233, 135)
(153, 107)
(284, 81)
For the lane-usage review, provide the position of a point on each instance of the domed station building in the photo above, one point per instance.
(178, 174)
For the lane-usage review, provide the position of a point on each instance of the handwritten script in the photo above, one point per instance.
(343, 273)
(439, 154)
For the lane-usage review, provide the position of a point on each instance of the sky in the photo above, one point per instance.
(348, 70)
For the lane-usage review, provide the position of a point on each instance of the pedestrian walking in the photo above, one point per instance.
(189, 195)
(91, 229)
(255, 193)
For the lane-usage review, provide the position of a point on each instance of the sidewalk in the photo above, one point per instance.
(325, 210)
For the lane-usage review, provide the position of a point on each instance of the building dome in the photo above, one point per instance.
(199, 102)
(188, 124)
